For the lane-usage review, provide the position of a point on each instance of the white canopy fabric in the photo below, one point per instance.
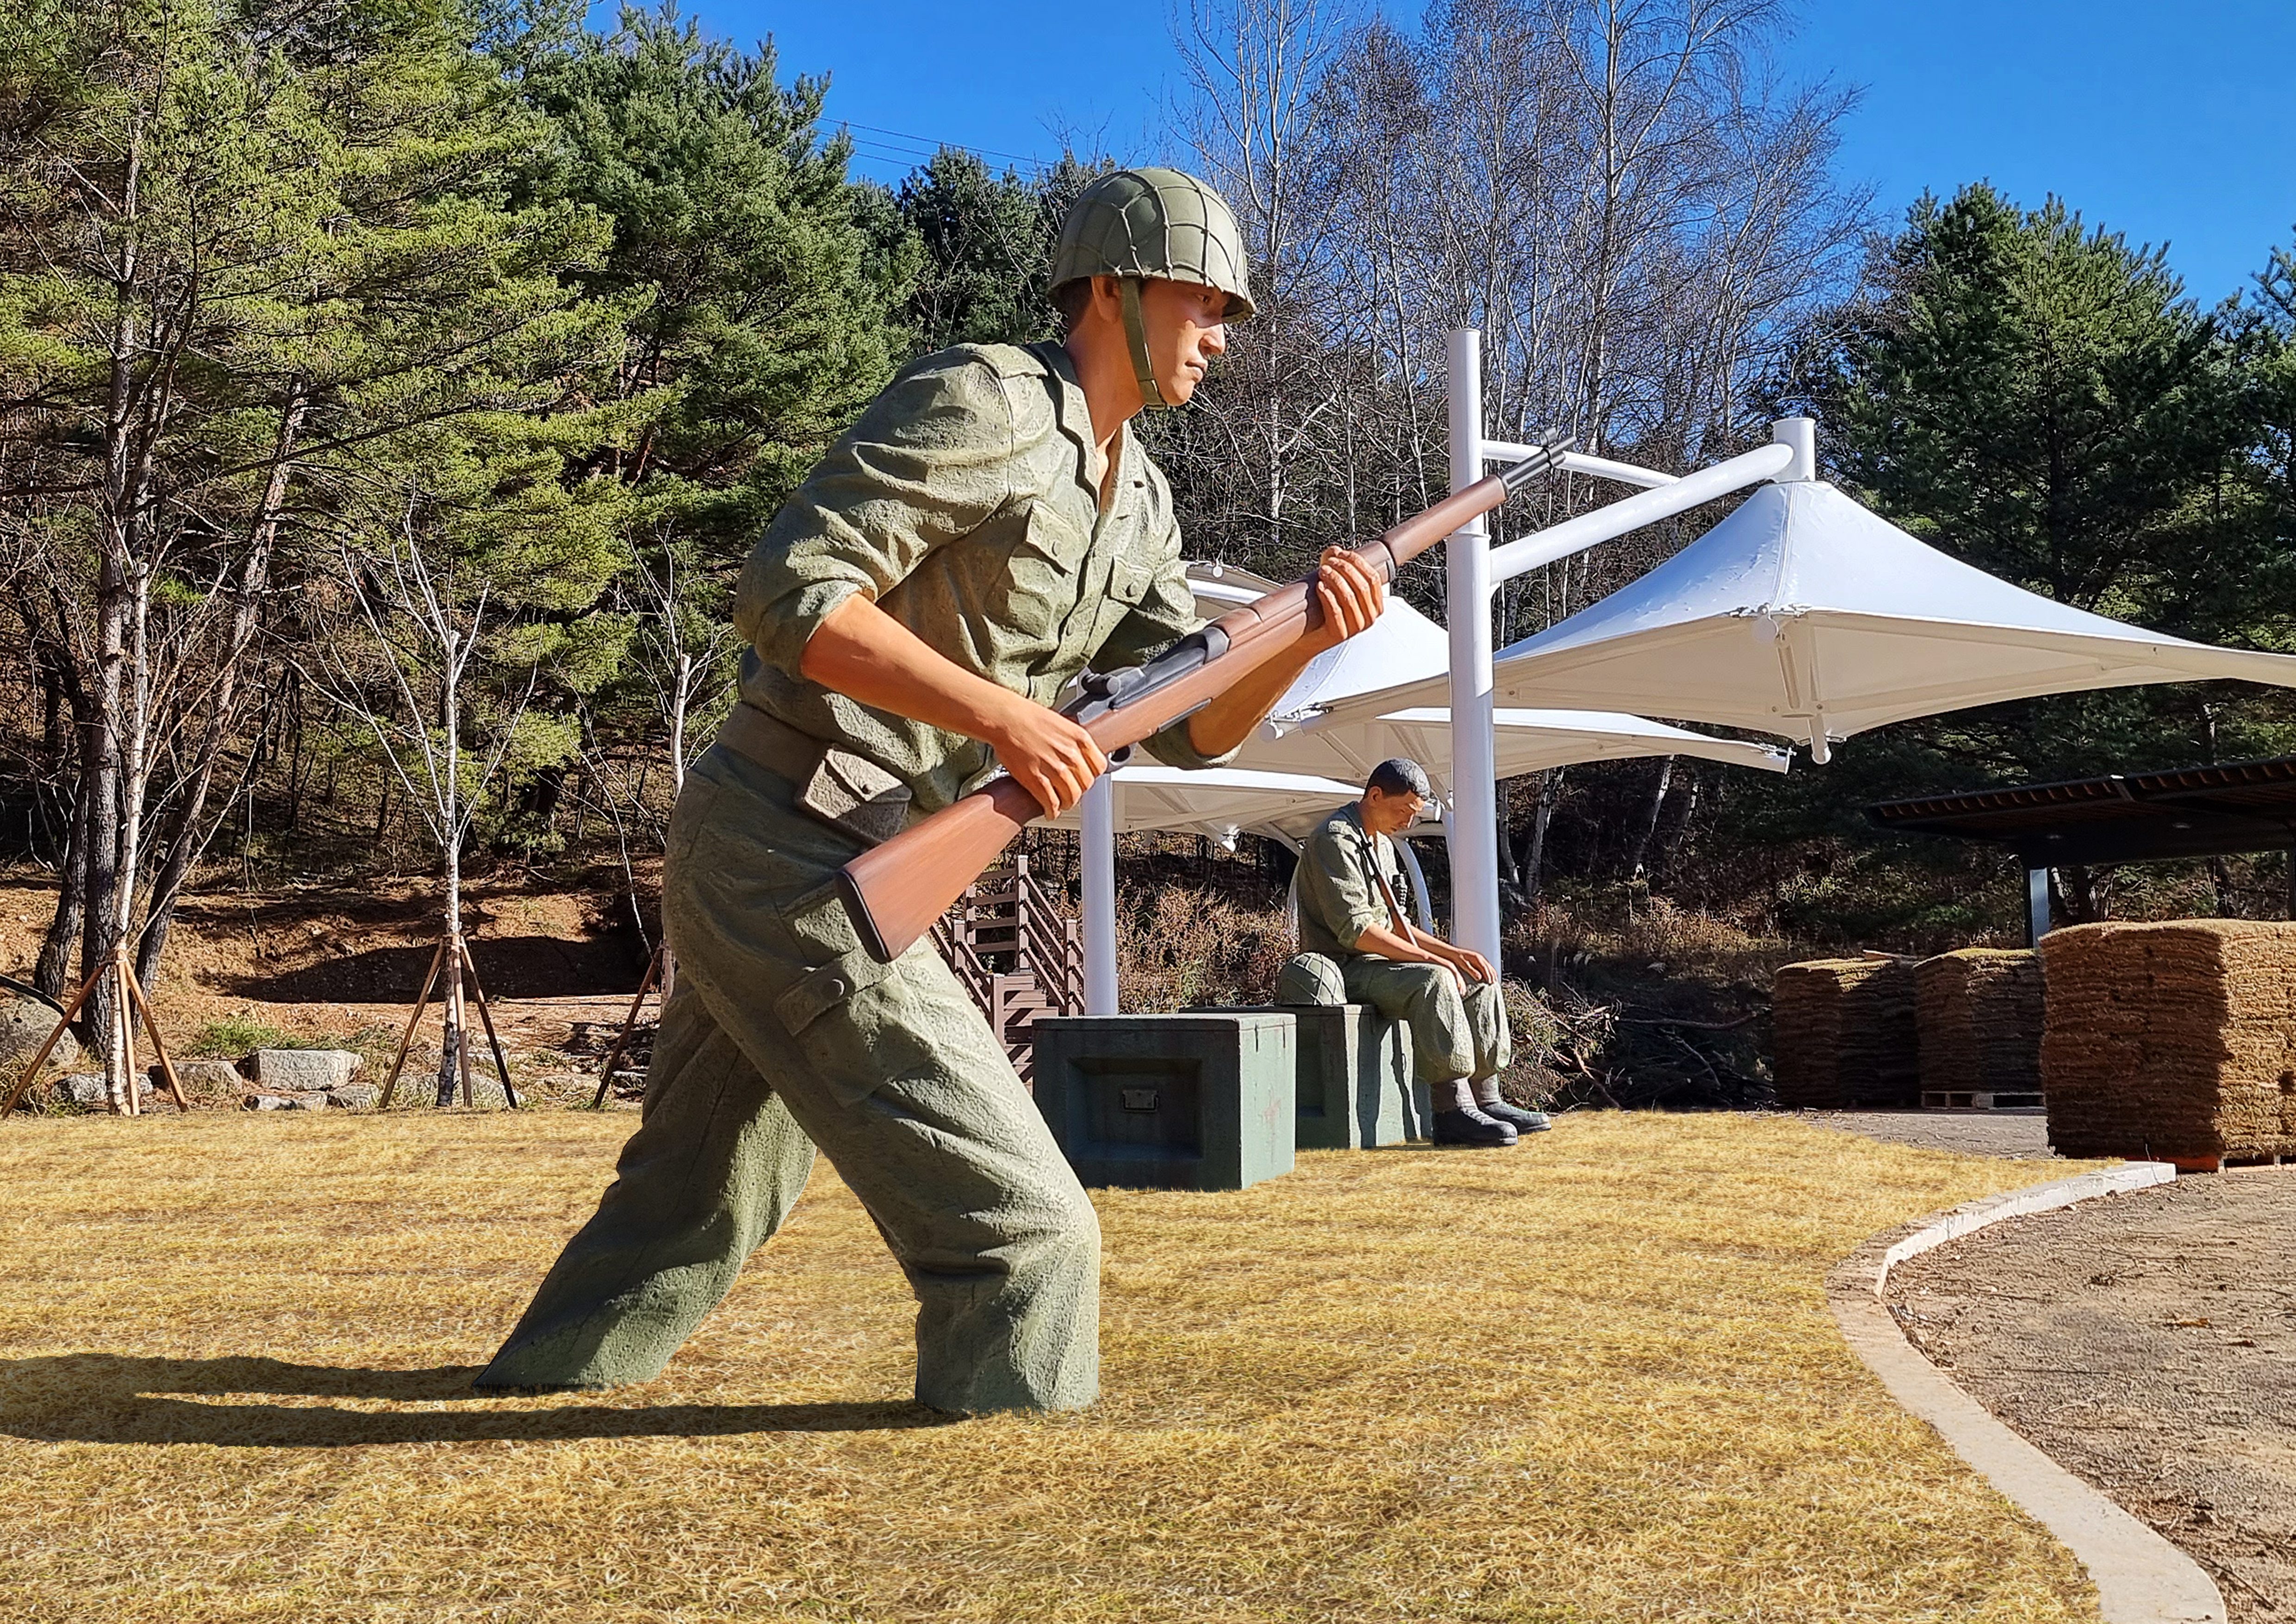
(1218, 802)
(1307, 732)
(1803, 615)
(1400, 645)
(1528, 741)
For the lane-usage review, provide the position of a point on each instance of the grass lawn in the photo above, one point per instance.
(1591, 1379)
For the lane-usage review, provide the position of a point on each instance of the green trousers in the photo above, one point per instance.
(1453, 1034)
(786, 1035)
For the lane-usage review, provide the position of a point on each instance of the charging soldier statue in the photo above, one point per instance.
(985, 531)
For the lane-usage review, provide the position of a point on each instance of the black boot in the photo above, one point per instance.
(1472, 1127)
(1515, 1117)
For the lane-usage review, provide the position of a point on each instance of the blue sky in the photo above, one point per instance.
(2165, 122)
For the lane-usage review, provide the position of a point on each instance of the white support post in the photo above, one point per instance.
(1798, 435)
(1473, 822)
(1098, 815)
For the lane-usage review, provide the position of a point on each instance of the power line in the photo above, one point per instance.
(978, 152)
(914, 151)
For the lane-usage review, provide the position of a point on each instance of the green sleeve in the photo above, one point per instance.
(1331, 884)
(1164, 613)
(931, 461)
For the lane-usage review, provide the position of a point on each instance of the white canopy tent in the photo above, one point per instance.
(1300, 765)
(1800, 614)
(1324, 724)
(1343, 745)
(1803, 614)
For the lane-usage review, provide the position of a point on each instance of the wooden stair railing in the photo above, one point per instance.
(1017, 954)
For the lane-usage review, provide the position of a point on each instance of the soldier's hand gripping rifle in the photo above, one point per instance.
(896, 890)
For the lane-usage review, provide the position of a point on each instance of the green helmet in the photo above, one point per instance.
(1310, 979)
(1137, 224)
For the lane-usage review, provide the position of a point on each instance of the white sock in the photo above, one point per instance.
(1454, 1096)
(1486, 1091)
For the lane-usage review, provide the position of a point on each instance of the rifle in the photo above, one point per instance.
(896, 890)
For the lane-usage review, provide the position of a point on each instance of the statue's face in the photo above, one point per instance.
(1386, 813)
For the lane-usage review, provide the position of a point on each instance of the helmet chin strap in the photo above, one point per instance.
(1136, 334)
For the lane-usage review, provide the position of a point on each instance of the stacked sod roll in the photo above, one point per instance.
(1843, 1034)
(1980, 1020)
(2171, 1041)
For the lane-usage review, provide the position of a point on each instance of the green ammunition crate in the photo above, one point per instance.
(1354, 1091)
(1190, 1102)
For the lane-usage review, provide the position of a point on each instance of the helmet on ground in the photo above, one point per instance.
(1139, 224)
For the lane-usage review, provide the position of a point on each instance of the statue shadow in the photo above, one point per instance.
(117, 1398)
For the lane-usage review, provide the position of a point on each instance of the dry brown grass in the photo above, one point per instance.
(1594, 1378)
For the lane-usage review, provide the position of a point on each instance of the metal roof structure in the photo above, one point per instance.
(2123, 817)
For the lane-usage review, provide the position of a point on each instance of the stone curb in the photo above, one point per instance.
(2140, 1578)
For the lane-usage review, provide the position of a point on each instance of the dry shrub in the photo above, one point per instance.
(1980, 1020)
(2171, 1040)
(1178, 947)
(1690, 944)
(1844, 1033)
(1662, 1006)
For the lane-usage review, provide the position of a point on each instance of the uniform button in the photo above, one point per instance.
(837, 987)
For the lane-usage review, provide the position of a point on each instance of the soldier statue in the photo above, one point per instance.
(985, 532)
(1358, 948)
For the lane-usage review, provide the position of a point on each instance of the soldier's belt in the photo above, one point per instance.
(845, 791)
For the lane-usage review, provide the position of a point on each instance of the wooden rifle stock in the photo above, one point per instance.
(896, 890)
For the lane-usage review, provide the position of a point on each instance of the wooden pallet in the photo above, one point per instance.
(2022, 1100)
(2217, 1164)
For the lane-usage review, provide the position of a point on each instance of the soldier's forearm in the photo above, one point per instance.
(865, 654)
(1392, 943)
(1228, 720)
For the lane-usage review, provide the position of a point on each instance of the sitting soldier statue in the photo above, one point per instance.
(1448, 996)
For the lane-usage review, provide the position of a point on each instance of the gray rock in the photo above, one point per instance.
(286, 1101)
(25, 1024)
(81, 1088)
(305, 1069)
(210, 1078)
(86, 1088)
(353, 1096)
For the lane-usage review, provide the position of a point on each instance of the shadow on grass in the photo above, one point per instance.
(114, 1398)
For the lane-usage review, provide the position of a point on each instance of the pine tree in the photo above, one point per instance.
(987, 245)
(761, 290)
(761, 304)
(2039, 399)
(255, 262)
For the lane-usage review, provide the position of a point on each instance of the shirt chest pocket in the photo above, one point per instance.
(1044, 573)
(1129, 578)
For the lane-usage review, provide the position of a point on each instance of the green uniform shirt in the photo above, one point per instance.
(966, 503)
(1338, 899)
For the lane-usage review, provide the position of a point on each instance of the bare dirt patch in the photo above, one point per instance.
(1992, 1133)
(340, 963)
(2148, 1344)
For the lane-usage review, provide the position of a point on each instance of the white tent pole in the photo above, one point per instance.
(1628, 514)
(1578, 462)
(1098, 815)
(1473, 823)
